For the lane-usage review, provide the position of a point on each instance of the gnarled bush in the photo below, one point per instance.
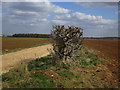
(66, 42)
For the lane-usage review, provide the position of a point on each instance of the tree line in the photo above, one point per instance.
(32, 35)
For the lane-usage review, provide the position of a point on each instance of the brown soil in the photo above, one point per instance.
(108, 50)
(11, 43)
(99, 76)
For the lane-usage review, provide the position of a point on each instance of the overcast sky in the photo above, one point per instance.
(96, 19)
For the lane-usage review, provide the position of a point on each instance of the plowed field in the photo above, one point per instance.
(106, 49)
(12, 43)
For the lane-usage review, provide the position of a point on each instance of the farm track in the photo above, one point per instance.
(12, 59)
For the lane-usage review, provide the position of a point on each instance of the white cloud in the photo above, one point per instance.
(29, 16)
(98, 4)
(61, 10)
(30, 12)
(24, 0)
(60, 0)
(22, 12)
(39, 17)
(96, 25)
(31, 24)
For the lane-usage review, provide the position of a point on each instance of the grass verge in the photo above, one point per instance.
(87, 72)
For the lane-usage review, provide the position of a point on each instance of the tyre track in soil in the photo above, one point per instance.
(10, 60)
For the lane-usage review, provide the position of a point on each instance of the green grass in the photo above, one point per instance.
(19, 78)
(66, 74)
(87, 58)
(43, 63)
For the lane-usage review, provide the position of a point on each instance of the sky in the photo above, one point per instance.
(97, 19)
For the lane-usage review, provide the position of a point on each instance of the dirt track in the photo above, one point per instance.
(11, 59)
